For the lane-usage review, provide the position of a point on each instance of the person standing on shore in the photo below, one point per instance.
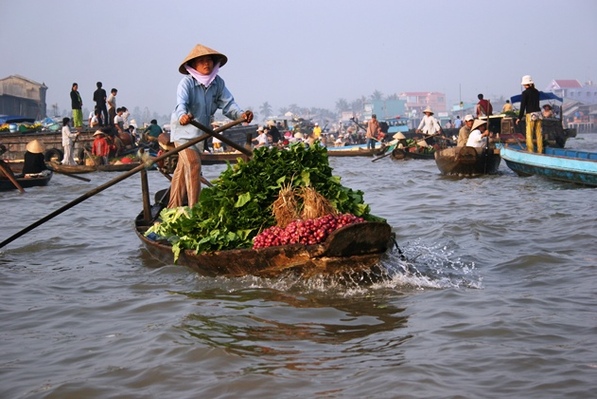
(530, 108)
(200, 93)
(76, 105)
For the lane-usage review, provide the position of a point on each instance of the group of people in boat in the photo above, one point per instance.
(475, 132)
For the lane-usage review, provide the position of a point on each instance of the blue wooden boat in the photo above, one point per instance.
(556, 164)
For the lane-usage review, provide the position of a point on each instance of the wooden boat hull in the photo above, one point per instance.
(78, 169)
(354, 151)
(401, 153)
(556, 163)
(221, 158)
(467, 161)
(349, 250)
(25, 182)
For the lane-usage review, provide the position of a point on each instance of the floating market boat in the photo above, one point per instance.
(267, 217)
(554, 133)
(555, 163)
(467, 161)
(26, 181)
(406, 153)
(78, 169)
(357, 150)
(351, 249)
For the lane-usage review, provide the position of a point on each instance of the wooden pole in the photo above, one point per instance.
(145, 195)
(69, 174)
(226, 140)
(8, 172)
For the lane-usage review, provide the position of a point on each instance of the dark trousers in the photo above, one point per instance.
(111, 116)
(103, 115)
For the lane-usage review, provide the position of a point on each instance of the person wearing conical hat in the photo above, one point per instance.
(529, 107)
(101, 146)
(429, 125)
(479, 134)
(34, 158)
(200, 93)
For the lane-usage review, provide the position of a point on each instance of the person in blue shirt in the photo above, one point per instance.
(200, 93)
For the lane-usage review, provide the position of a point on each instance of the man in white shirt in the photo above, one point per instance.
(112, 104)
(429, 125)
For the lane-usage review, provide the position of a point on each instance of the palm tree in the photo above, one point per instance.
(377, 96)
(266, 110)
(342, 105)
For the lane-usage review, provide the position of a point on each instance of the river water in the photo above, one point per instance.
(497, 299)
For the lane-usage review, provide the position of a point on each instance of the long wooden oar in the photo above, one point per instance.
(120, 178)
(8, 172)
(68, 174)
(226, 140)
(389, 151)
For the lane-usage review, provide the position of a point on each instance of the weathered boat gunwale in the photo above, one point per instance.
(215, 158)
(351, 249)
(403, 153)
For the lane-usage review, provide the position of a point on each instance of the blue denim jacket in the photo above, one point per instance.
(203, 102)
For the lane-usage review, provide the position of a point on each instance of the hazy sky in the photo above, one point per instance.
(305, 52)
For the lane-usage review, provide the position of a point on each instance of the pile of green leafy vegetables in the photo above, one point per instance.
(238, 206)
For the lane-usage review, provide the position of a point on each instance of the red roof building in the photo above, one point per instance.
(572, 89)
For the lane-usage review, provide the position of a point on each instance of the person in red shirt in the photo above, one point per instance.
(101, 147)
(484, 107)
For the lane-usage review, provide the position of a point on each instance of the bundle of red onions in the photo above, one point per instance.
(307, 232)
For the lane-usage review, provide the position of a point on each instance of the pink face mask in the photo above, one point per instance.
(205, 80)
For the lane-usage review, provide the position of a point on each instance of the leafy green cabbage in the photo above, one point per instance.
(238, 206)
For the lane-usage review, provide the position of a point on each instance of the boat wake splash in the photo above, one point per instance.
(413, 267)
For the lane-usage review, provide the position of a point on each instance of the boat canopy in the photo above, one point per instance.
(15, 119)
(542, 97)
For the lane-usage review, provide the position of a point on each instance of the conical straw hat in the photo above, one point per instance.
(477, 123)
(198, 51)
(35, 147)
